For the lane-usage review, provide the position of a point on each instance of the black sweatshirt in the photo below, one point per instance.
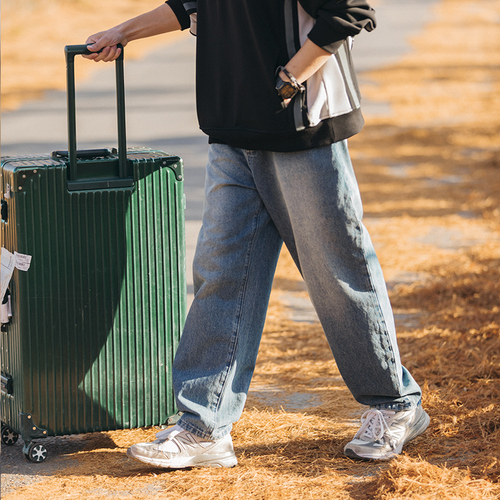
(240, 45)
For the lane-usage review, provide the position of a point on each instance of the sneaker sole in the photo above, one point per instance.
(418, 429)
(223, 460)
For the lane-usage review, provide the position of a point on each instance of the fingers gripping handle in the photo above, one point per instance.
(71, 51)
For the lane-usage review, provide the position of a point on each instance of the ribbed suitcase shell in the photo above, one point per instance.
(97, 317)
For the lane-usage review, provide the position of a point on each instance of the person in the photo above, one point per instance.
(278, 98)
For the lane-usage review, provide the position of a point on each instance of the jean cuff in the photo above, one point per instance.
(397, 406)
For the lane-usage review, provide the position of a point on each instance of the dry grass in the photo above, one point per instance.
(417, 479)
(430, 181)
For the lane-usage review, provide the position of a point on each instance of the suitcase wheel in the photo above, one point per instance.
(36, 453)
(9, 437)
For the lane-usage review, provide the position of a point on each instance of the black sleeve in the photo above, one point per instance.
(180, 10)
(338, 19)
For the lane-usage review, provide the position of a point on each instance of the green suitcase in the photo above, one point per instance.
(90, 328)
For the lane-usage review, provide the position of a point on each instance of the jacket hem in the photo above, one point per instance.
(327, 132)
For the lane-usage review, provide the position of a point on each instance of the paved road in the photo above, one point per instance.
(160, 99)
(161, 107)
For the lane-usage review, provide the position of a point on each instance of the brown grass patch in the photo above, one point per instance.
(415, 479)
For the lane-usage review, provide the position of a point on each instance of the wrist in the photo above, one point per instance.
(283, 76)
(291, 78)
(287, 85)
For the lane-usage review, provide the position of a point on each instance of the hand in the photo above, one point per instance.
(159, 20)
(107, 41)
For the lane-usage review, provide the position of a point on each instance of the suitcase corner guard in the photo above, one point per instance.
(29, 430)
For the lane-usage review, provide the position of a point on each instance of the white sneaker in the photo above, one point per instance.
(383, 433)
(176, 448)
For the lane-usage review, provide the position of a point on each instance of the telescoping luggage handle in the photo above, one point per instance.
(71, 51)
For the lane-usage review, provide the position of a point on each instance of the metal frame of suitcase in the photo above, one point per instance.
(97, 316)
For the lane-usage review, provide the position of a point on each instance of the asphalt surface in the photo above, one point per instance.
(161, 114)
(160, 99)
(160, 104)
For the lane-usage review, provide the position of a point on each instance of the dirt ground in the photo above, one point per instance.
(429, 180)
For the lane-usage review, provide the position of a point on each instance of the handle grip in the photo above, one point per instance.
(75, 50)
(71, 51)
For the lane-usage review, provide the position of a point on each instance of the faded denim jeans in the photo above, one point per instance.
(255, 201)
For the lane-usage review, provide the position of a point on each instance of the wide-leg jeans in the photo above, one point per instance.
(255, 201)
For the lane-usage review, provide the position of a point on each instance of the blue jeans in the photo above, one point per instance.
(255, 200)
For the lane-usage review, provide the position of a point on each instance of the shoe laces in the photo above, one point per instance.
(375, 426)
(163, 434)
(166, 434)
(176, 439)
